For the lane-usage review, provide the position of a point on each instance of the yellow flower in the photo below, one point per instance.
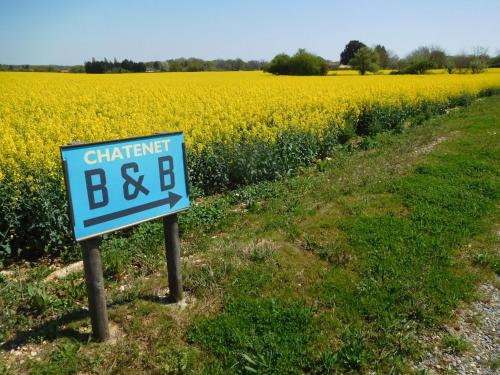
(41, 111)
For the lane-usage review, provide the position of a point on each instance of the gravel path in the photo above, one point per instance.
(477, 348)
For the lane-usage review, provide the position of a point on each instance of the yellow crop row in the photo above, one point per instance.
(41, 111)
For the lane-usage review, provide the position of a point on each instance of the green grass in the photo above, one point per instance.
(454, 344)
(337, 270)
(64, 359)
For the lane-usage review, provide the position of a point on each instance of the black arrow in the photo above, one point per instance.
(171, 201)
(173, 198)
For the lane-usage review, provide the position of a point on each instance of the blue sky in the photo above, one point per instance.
(70, 32)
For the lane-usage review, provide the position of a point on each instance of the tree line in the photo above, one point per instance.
(193, 64)
(173, 65)
(357, 55)
(41, 68)
(420, 60)
(107, 66)
(181, 64)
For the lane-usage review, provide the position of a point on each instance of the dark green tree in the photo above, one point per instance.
(350, 50)
(279, 65)
(107, 66)
(303, 63)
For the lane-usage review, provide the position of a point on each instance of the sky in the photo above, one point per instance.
(73, 31)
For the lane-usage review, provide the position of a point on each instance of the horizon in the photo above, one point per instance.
(66, 34)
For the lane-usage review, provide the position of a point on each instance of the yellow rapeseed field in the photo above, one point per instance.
(41, 111)
(241, 127)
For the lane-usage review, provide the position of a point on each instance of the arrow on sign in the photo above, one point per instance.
(171, 201)
(173, 198)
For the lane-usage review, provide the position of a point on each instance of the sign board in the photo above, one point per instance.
(117, 184)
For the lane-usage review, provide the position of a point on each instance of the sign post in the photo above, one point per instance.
(94, 280)
(117, 184)
(173, 253)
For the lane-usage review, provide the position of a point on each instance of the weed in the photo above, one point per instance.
(262, 251)
(454, 344)
(204, 278)
(38, 298)
(488, 260)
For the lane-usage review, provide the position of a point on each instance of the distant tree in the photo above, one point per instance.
(394, 61)
(197, 65)
(174, 65)
(237, 64)
(254, 65)
(107, 66)
(164, 66)
(437, 57)
(462, 62)
(422, 53)
(279, 65)
(495, 62)
(479, 60)
(303, 63)
(140, 67)
(77, 69)
(94, 66)
(157, 65)
(194, 65)
(422, 59)
(365, 60)
(350, 50)
(383, 56)
(450, 64)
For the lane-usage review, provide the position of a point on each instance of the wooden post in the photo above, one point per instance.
(173, 253)
(95, 289)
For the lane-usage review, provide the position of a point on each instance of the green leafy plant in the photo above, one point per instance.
(454, 344)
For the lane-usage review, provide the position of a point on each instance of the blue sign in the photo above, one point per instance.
(113, 185)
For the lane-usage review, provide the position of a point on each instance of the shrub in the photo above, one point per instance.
(279, 65)
(417, 67)
(33, 217)
(424, 58)
(302, 63)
